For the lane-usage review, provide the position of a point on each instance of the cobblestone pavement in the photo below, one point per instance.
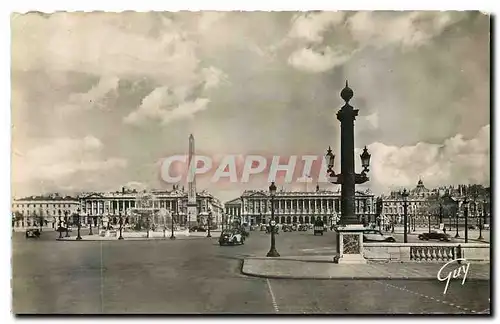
(199, 276)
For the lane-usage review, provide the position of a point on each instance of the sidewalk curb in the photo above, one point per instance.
(135, 239)
(290, 277)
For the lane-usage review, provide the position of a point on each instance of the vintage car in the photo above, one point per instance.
(287, 228)
(231, 237)
(64, 229)
(33, 233)
(372, 235)
(434, 235)
(197, 229)
(302, 228)
(319, 227)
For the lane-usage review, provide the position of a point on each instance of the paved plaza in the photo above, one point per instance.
(196, 275)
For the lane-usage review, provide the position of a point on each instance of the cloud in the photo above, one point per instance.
(97, 97)
(169, 104)
(456, 160)
(406, 30)
(311, 26)
(308, 60)
(208, 19)
(126, 45)
(61, 158)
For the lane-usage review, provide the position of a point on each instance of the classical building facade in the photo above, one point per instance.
(124, 202)
(254, 206)
(30, 211)
(423, 203)
(393, 204)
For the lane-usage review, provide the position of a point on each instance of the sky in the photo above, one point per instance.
(100, 99)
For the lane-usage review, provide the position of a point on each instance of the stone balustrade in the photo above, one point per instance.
(426, 252)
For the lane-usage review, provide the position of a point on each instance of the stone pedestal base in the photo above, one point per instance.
(350, 244)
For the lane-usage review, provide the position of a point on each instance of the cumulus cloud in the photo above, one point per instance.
(311, 26)
(407, 30)
(456, 160)
(376, 29)
(208, 19)
(309, 60)
(104, 44)
(61, 158)
(169, 104)
(96, 97)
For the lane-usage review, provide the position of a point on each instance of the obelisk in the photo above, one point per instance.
(192, 206)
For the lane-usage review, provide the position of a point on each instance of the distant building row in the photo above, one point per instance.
(254, 206)
(91, 206)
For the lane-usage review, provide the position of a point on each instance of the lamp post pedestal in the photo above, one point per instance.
(350, 239)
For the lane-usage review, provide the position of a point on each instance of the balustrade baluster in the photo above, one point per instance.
(420, 253)
(451, 253)
(439, 254)
(426, 253)
(435, 253)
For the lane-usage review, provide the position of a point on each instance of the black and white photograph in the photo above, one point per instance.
(251, 162)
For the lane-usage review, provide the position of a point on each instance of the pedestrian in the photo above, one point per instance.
(444, 229)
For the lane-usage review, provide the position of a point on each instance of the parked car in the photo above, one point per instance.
(319, 227)
(33, 233)
(231, 237)
(472, 227)
(302, 228)
(371, 235)
(64, 229)
(434, 235)
(197, 229)
(287, 228)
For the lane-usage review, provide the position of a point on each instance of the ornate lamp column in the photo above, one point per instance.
(79, 225)
(66, 222)
(466, 216)
(481, 222)
(121, 225)
(209, 222)
(273, 253)
(172, 236)
(350, 231)
(91, 221)
(60, 224)
(405, 194)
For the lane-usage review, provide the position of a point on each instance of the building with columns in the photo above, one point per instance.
(30, 211)
(99, 204)
(254, 206)
(422, 201)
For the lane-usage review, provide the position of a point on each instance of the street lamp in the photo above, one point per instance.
(121, 225)
(172, 236)
(60, 224)
(466, 216)
(209, 222)
(481, 222)
(272, 251)
(456, 223)
(147, 226)
(78, 237)
(405, 194)
(66, 222)
(91, 221)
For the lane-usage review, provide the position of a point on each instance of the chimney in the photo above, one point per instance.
(123, 190)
